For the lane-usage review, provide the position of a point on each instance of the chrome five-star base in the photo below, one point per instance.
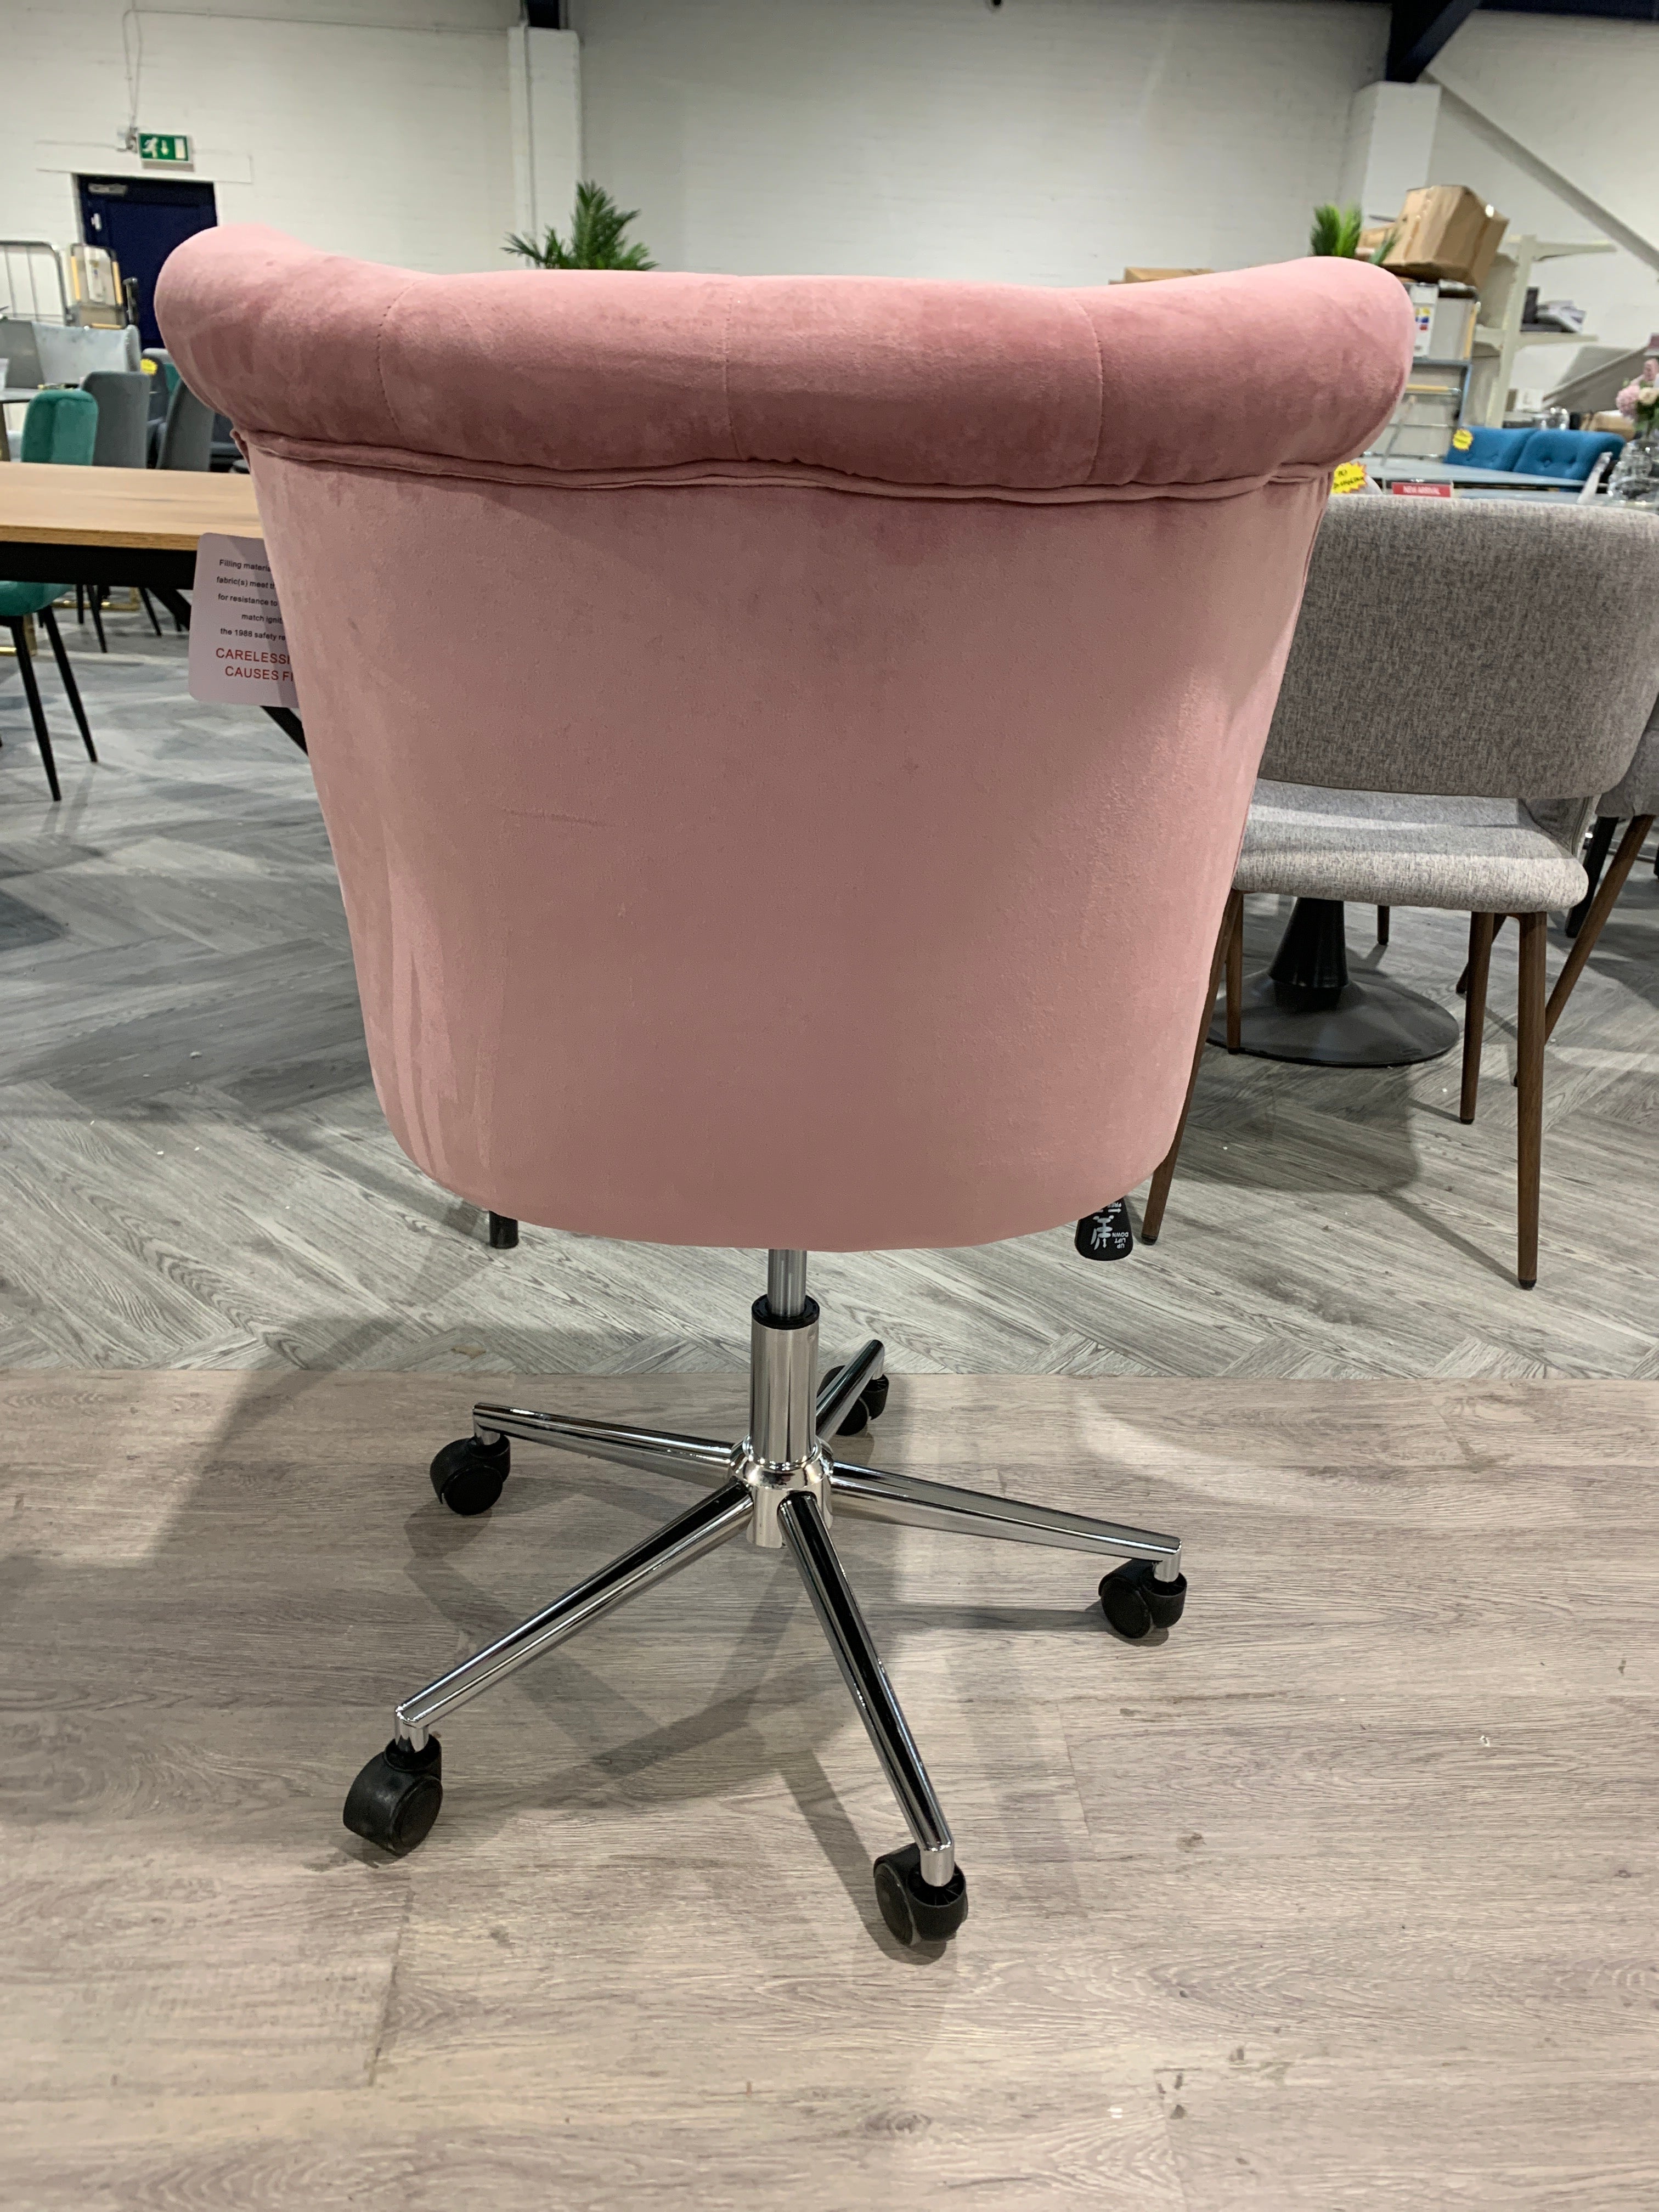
(782, 1487)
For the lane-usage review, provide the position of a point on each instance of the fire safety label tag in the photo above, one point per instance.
(237, 646)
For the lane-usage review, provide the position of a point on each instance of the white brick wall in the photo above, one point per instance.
(544, 82)
(394, 143)
(1050, 142)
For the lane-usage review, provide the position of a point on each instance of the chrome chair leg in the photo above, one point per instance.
(469, 1475)
(843, 1387)
(395, 1799)
(921, 1891)
(662, 1450)
(915, 1503)
(712, 1521)
(1148, 1591)
(820, 1568)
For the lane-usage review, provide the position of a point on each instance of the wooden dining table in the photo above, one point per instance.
(61, 525)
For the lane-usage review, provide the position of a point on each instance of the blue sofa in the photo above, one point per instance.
(1536, 453)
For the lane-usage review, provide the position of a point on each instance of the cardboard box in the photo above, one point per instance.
(1447, 231)
(1158, 275)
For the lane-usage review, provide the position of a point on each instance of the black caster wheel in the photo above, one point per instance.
(914, 1910)
(869, 1406)
(1108, 1235)
(470, 1476)
(1136, 1603)
(395, 1800)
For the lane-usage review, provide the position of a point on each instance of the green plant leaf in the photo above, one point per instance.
(596, 240)
(550, 254)
(1335, 230)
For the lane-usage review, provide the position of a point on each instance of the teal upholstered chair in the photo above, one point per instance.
(61, 425)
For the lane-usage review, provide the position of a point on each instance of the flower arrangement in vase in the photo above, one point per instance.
(1636, 472)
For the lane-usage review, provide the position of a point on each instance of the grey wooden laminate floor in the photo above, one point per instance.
(194, 1172)
(1343, 1895)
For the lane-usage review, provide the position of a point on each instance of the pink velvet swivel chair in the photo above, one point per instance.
(702, 672)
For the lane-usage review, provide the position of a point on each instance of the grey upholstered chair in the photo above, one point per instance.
(1463, 678)
(1633, 800)
(123, 397)
(187, 439)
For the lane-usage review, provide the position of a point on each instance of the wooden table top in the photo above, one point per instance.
(45, 502)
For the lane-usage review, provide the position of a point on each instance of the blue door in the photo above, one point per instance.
(138, 220)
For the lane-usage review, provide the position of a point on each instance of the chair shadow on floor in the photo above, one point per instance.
(1421, 1218)
(1272, 1126)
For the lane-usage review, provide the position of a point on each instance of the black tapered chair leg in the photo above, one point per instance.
(95, 598)
(49, 619)
(37, 712)
(80, 604)
(149, 609)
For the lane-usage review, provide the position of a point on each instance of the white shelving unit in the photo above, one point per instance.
(1498, 334)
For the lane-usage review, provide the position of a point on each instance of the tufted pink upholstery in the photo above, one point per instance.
(785, 741)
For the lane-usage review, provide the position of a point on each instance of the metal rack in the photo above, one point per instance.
(31, 282)
(1409, 417)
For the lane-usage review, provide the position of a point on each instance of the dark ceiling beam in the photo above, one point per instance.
(1416, 31)
(1612, 11)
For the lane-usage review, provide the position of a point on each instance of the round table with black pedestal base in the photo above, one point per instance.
(1308, 1006)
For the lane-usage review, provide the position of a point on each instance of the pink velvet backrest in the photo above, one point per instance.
(785, 741)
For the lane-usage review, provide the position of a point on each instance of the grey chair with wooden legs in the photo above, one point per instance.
(1634, 800)
(1462, 675)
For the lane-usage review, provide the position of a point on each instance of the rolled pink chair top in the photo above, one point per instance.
(1199, 384)
(785, 741)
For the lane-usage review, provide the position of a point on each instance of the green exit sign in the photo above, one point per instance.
(162, 146)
